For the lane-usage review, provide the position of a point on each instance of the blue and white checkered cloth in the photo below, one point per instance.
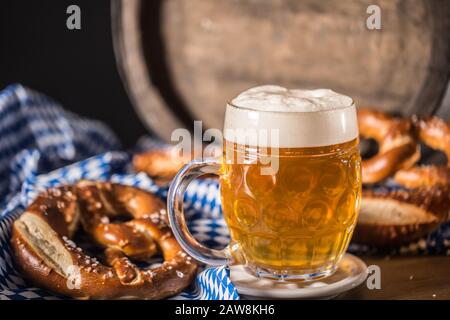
(42, 145)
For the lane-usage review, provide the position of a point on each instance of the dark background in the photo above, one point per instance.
(75, 67)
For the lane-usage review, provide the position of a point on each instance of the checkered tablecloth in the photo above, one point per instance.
(42, 145)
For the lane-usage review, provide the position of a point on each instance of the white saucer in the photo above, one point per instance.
(351, 272)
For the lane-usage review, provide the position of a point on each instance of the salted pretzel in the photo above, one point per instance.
(435, 133)
(43, 248)
(398, 148)
(391, 217)
(162, 164)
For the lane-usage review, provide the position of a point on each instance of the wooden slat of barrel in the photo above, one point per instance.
(183, 59)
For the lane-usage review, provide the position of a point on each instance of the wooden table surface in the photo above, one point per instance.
(407, 278)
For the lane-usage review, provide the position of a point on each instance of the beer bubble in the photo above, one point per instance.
(316, 213)
(294, 248)
(266, 248)
(257, 183)
(331, 178)
(327, 245)
(297, 180)
(278, 216)
(354, 170)
(345, 210)
(246, 211)
(232, 175)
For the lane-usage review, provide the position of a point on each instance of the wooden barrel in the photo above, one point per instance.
(181, 60)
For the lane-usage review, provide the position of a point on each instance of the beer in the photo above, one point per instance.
(300, 219)
(290, 183)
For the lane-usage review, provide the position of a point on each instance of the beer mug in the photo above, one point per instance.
(290, 181)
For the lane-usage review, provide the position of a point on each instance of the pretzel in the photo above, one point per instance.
(391, 217)
(398, 148)
(43, 249)
(435, 133)
(162, 164)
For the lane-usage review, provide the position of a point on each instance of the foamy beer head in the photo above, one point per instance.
(302, 118)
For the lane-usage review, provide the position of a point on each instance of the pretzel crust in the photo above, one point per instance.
(43, 249)
(162, 164)
(389, 218)
(435, 133)
(398, 148)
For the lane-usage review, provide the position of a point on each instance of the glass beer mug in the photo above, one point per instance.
(290, 179)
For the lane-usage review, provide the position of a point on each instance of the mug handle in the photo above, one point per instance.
(175, 198)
